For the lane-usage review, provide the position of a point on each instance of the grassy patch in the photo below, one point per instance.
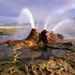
(4, 63)
(6, 31)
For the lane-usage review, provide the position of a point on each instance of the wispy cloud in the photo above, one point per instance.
(8, 19)
(39, 8)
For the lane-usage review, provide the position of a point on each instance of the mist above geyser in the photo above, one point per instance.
(24, 32)
(25, 13)
(63, 26)
(66, 27)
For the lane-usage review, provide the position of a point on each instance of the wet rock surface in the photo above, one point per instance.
(69, 43)
(51, 67)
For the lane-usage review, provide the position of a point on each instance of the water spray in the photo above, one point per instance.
(26, 12)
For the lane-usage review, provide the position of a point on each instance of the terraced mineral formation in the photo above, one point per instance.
(35, 38)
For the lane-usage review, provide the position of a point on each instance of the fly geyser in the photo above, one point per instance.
(34, 37)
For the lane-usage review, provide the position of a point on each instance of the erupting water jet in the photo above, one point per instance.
(36, 26)
(60, 23)
(46, 22)
(26, 12)
(23, 32)
(65, 27)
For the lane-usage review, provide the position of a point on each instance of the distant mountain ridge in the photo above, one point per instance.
(15, 24)
(12, 24)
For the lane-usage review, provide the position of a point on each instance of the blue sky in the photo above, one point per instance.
(40, 9)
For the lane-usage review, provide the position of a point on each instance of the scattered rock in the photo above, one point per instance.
(69, 43)
(62, 37)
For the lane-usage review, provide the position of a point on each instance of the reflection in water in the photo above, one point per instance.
(51, 52)
(59, 53)
(32, 59)
(6, 53)
(32, 55)
(47, 54)
(72, 54)
(37, 54)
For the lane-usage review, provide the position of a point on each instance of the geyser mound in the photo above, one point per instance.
(49, 37)
(34, 35)
(33, 31)
(35, 38)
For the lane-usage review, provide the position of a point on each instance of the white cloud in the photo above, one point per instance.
(39, 8)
